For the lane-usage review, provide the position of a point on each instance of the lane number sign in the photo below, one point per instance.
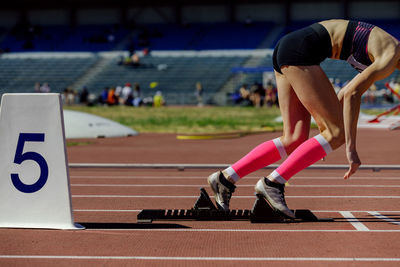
(21, 156)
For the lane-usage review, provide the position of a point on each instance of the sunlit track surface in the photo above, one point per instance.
(366, 214)
(365, 209)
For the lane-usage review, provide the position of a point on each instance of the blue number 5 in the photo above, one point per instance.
(21, 157)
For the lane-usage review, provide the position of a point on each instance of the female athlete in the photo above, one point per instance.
(304, 90)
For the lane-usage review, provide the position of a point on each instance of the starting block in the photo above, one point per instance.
(34, 178)
(205, 210)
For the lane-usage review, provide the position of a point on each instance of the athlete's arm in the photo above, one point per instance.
(351, 99)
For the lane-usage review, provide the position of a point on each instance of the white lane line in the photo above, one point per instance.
(354, 221)
(316, 211)
(250, 185)
(204, 177)
(360, 211)
(242, 197)
(94, 210)
(241, 230)
(383, 217)
(67, 257)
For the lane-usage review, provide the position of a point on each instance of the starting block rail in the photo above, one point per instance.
(205, 210)
(183, 166)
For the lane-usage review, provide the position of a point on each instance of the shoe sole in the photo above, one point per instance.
(214, 188)
(265, 196)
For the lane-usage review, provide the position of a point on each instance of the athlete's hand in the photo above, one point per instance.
(354, 163)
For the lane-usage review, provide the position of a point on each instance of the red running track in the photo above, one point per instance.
(366, 209)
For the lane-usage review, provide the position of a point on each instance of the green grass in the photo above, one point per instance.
(191, 120)
(373, 111)
(75, 143)
(188, 119)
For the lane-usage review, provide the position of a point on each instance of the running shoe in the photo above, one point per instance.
(275, 195)
(222, 189)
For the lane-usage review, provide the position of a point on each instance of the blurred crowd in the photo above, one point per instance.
(256, 95)
(374, 95)
(127, 95)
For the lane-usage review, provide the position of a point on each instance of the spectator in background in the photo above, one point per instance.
(370, 95)
(135, 60)
(129, 100)
(158, 99)
(126, 91)
(36, 87)
(337, 85)
(71, 96)
(245, 93)
(45, 88)
(68, 96)
(104, 96)
(83, 96)
(118, 92)
(388, 96)
(137, 96)
(111, 98)
(396, 87)
(146, 51)
(270, 95)
(257, 94)
(199, 94)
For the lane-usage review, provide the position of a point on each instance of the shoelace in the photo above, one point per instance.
(226, 194)
(282, 194)
(226, 189)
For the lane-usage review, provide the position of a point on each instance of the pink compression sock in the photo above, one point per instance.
(260, 157)
(305, 155)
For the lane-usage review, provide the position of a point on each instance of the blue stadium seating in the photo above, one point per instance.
(160, 37)
(20, 75)
(172, 75)
(205, 36)
(64, 38)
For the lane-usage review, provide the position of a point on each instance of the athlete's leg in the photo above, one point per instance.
(318, 96)
(296, 120)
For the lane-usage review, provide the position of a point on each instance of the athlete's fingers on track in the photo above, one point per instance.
(352, 169)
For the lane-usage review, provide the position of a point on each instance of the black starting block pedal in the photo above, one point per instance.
(262, 212)
(204, 202)
(205, 210)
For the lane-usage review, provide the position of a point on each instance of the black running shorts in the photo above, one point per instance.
(307, 46)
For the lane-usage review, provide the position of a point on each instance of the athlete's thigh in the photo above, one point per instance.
(296, 118)
(316, 93)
